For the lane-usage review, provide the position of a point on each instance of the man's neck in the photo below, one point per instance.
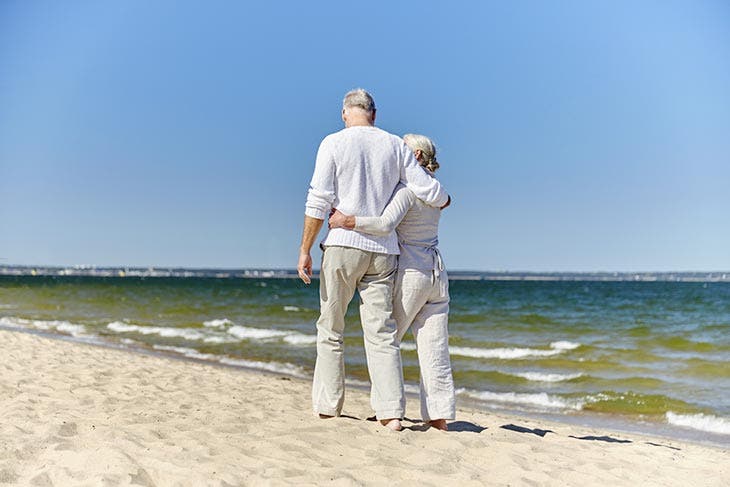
(354, 117)
(359, 123)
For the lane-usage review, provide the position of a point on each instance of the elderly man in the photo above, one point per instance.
(356, 171)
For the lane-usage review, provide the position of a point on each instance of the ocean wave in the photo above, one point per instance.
(66, 327)
(166, 332)
(188, 352)
(71, 329)
(7, 306)
(276, 367)
(300, 339)
(541, 377)
(266, 334)
(513, 353)
(292, 308)
(232, 334)
(540, 400)
(247, 333)
(217, 323)
(701, 422)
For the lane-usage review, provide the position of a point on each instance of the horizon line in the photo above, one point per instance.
(82, 267)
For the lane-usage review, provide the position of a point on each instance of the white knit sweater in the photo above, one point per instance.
(356, 171)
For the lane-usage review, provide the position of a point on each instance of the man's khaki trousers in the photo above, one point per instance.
(345, 269)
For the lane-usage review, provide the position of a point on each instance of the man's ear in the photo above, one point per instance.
(344, 118)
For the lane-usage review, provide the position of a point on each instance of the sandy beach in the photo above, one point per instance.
(78, 414)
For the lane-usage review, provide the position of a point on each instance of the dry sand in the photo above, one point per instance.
(76, 414)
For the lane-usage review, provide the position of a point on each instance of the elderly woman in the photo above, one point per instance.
(421, 300)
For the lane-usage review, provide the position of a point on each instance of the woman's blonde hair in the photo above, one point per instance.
(426, 146)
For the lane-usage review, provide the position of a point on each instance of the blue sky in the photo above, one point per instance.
(573, 136)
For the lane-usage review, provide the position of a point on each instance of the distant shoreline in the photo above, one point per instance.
(156, 272)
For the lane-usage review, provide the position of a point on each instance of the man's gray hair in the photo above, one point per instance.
(359, 98)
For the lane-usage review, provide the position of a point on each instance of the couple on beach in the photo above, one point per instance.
(383, 206)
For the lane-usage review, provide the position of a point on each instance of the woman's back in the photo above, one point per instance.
(418, 236)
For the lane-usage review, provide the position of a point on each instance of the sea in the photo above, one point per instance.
(650, 357)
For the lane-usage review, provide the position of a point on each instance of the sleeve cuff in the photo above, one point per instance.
(317, 213)
(442, 201)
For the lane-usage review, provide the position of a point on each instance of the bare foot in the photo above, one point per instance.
(439, 424)
(325, 416)
(393, 424)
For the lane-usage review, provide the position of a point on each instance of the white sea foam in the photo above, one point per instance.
(231, 335)
(188, 352)
(7, 306)
(291, 337)
(219, 339)
(217, 323)
(58, 325)
(539, 400)
(23, 323)
(247, 333)
(163, 331)
(540, 377)
(502, 353)
(292, 308)
(556, 348)
(701, 422)
(300, 339)
(12, 322)
(71, 329)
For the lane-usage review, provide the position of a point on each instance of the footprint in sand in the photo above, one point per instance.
(142, 478)
(68, 429)
(42, 480)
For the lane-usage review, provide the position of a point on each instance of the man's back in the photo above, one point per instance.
(367, 170)
(357, 170)
(364, 163)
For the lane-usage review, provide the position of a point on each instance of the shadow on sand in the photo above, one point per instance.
(607, 439)
(465, 426)
(522, 429)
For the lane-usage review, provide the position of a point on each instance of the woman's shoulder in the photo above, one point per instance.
(403, 193)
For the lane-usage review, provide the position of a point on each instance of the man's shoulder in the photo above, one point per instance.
(363, 137)
(387, 135)
(363, 131)
(328, 139)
